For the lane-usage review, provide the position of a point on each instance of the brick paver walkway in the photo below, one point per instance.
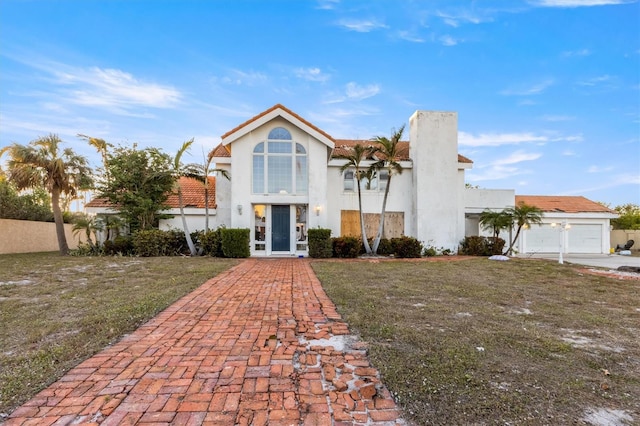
(259, 344)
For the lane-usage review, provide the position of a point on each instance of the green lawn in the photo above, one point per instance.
(483, 342)
(57, 311)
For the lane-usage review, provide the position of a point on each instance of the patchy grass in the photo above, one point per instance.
(57, 311)
(482, 342)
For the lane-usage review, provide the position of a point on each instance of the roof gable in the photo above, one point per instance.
(277, 110)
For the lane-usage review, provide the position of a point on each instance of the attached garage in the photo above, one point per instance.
(584, 238)
(541, 239)
(588, 222)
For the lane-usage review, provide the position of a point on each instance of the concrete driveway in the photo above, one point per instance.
(611, 261)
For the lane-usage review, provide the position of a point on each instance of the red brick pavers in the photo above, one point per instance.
(259, 344)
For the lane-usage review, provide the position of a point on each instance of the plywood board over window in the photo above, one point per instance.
(350, 224)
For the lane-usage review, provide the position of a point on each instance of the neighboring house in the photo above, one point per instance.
(193, 200)
(285, 179)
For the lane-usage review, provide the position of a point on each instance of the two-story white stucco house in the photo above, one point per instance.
(286, 179)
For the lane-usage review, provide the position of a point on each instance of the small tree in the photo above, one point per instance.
(523, 215)
(354, 159)
(139, 183)
(387, 151)
(629, 217)
(496, 221)
(41, 163)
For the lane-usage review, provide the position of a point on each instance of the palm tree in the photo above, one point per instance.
(180, 170)
(387, 151)
(41, 164)
(88, 225)
(354, 159)
(102, 147)
(523, 215)
(496, 221)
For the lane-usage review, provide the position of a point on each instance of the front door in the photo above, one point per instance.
(280, 228)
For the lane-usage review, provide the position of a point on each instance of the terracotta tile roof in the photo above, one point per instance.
(98, 202)
(273, 108)
(192, 195)
(220, 151)
(563, 204)
(343, 145)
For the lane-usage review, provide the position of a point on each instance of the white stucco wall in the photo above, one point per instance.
(439, 216)
(195, 219)
(399, 199)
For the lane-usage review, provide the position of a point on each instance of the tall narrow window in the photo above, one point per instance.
(280, 165)
(348, 180)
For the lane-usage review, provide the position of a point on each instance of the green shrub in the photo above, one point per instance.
(211, 242)
(385, 248)
(154, 242)
(235, 242)
(481, 246)
(346, 247)
(404, 247)
(319, 243)
(120, 245)
(429, 251)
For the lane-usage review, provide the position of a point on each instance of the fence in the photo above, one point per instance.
(26, 236)
(621, 236)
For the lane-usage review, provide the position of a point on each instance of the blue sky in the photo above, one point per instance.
(547, 91)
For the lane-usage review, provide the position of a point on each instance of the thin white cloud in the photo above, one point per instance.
(409, 36)
(357, 92)
(594, 81)
(327, 4)
(456, 19)
(498, 139)
(556, 118)
(532, 90)
(599, 169)
(577, 3)
(111, 87)
(503, 168)
(311, 74)
(361, 25)
(573, 53)
(622, 179)
(447, 40)
(245, 78)
(517, 157)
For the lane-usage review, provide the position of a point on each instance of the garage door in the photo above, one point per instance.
(542, 239)
(585, 238)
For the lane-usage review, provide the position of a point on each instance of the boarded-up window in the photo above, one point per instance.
(350, 224)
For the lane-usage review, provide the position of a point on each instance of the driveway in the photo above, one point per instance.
(611, 261)
(259, 344)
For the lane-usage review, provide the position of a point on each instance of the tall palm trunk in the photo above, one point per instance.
(59, 221)
(365, 241)
(376, 242)
(206, 204)
(187, 235)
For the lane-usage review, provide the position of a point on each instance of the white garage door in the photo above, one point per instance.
(586, 238)
(542, 239)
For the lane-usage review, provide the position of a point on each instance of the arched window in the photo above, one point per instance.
(279, 165)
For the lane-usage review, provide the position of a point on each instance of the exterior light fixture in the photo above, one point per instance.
(562, 228)
(317, 209)
(239, 207)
